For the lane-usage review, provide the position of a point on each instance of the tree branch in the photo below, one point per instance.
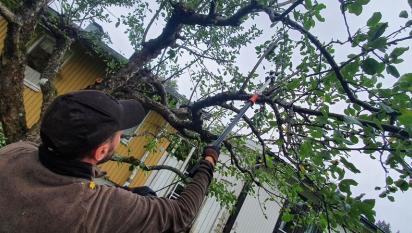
(162, 4)
(8, 14)
(269, 49)
(252, 128)
(275, 16)
(137, 162)
(400, 132)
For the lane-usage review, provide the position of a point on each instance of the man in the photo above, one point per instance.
(50, 188)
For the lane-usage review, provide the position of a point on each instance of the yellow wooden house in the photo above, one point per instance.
(81, 69)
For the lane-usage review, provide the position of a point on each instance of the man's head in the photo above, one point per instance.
(87, 125)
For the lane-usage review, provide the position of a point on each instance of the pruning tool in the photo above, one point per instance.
(250, 102)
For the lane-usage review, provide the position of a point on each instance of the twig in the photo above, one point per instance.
(162, 4)
(252, 72)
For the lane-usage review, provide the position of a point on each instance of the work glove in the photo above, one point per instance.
(212, 151)
(209, 150)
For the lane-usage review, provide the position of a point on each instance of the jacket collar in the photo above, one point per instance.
(68, 167)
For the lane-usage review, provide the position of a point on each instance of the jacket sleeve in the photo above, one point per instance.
(117, 210)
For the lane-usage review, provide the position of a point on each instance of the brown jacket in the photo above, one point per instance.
(35, 199)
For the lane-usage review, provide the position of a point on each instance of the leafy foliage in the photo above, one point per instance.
(327, 100)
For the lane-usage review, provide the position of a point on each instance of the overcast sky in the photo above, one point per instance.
(398, 214)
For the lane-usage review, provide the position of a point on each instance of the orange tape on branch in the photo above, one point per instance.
(254, 98)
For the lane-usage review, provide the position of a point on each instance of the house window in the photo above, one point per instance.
(38, 56)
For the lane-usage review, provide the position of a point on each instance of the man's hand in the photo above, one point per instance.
(211, 154)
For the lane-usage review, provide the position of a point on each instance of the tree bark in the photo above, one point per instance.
(20, 30)
(11, 101)
(12, 67)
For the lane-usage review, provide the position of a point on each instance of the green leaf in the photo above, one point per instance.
(386, 108)
(382, 194)
(319, 17)
(352, 120)
(370, 66)
(286, 217)
(316, 133)
(345, 184)
(354, 139)
(391, 198)
(378, 43)
(398, 51)
(305, 149)
(363, 2)
(376, 17)
(403, 14)
(293, 84)
(402, 184)
(367, 208)
(349, 165)
(308, 4)
(350, 69)
(355, 8)
(359, 38)
(389, 180)
(405, 82)
(377, 31)
(406, 117)
(392, 71)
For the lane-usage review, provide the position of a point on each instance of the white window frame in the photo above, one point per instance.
(29, 83)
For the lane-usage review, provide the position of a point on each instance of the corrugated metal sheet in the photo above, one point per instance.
(212, 216)
(251, 217)
(119, 173)
(3, 32)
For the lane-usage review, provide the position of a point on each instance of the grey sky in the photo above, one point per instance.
(397, 213)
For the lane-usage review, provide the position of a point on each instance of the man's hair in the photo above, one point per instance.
(90, 152)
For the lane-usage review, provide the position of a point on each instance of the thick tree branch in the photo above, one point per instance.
(287, 11)
(229, 96)
(181, 15)
(138, 163)
(6, 13)
(389, 128)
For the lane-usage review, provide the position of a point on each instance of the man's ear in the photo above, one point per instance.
(101, 152)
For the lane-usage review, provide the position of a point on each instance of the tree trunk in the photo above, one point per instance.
(53, 67)
(12, 113)
(238, 206)
(12, 69)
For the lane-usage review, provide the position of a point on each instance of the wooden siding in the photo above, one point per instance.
(118, 172)
(3, 32)
(77, 73)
